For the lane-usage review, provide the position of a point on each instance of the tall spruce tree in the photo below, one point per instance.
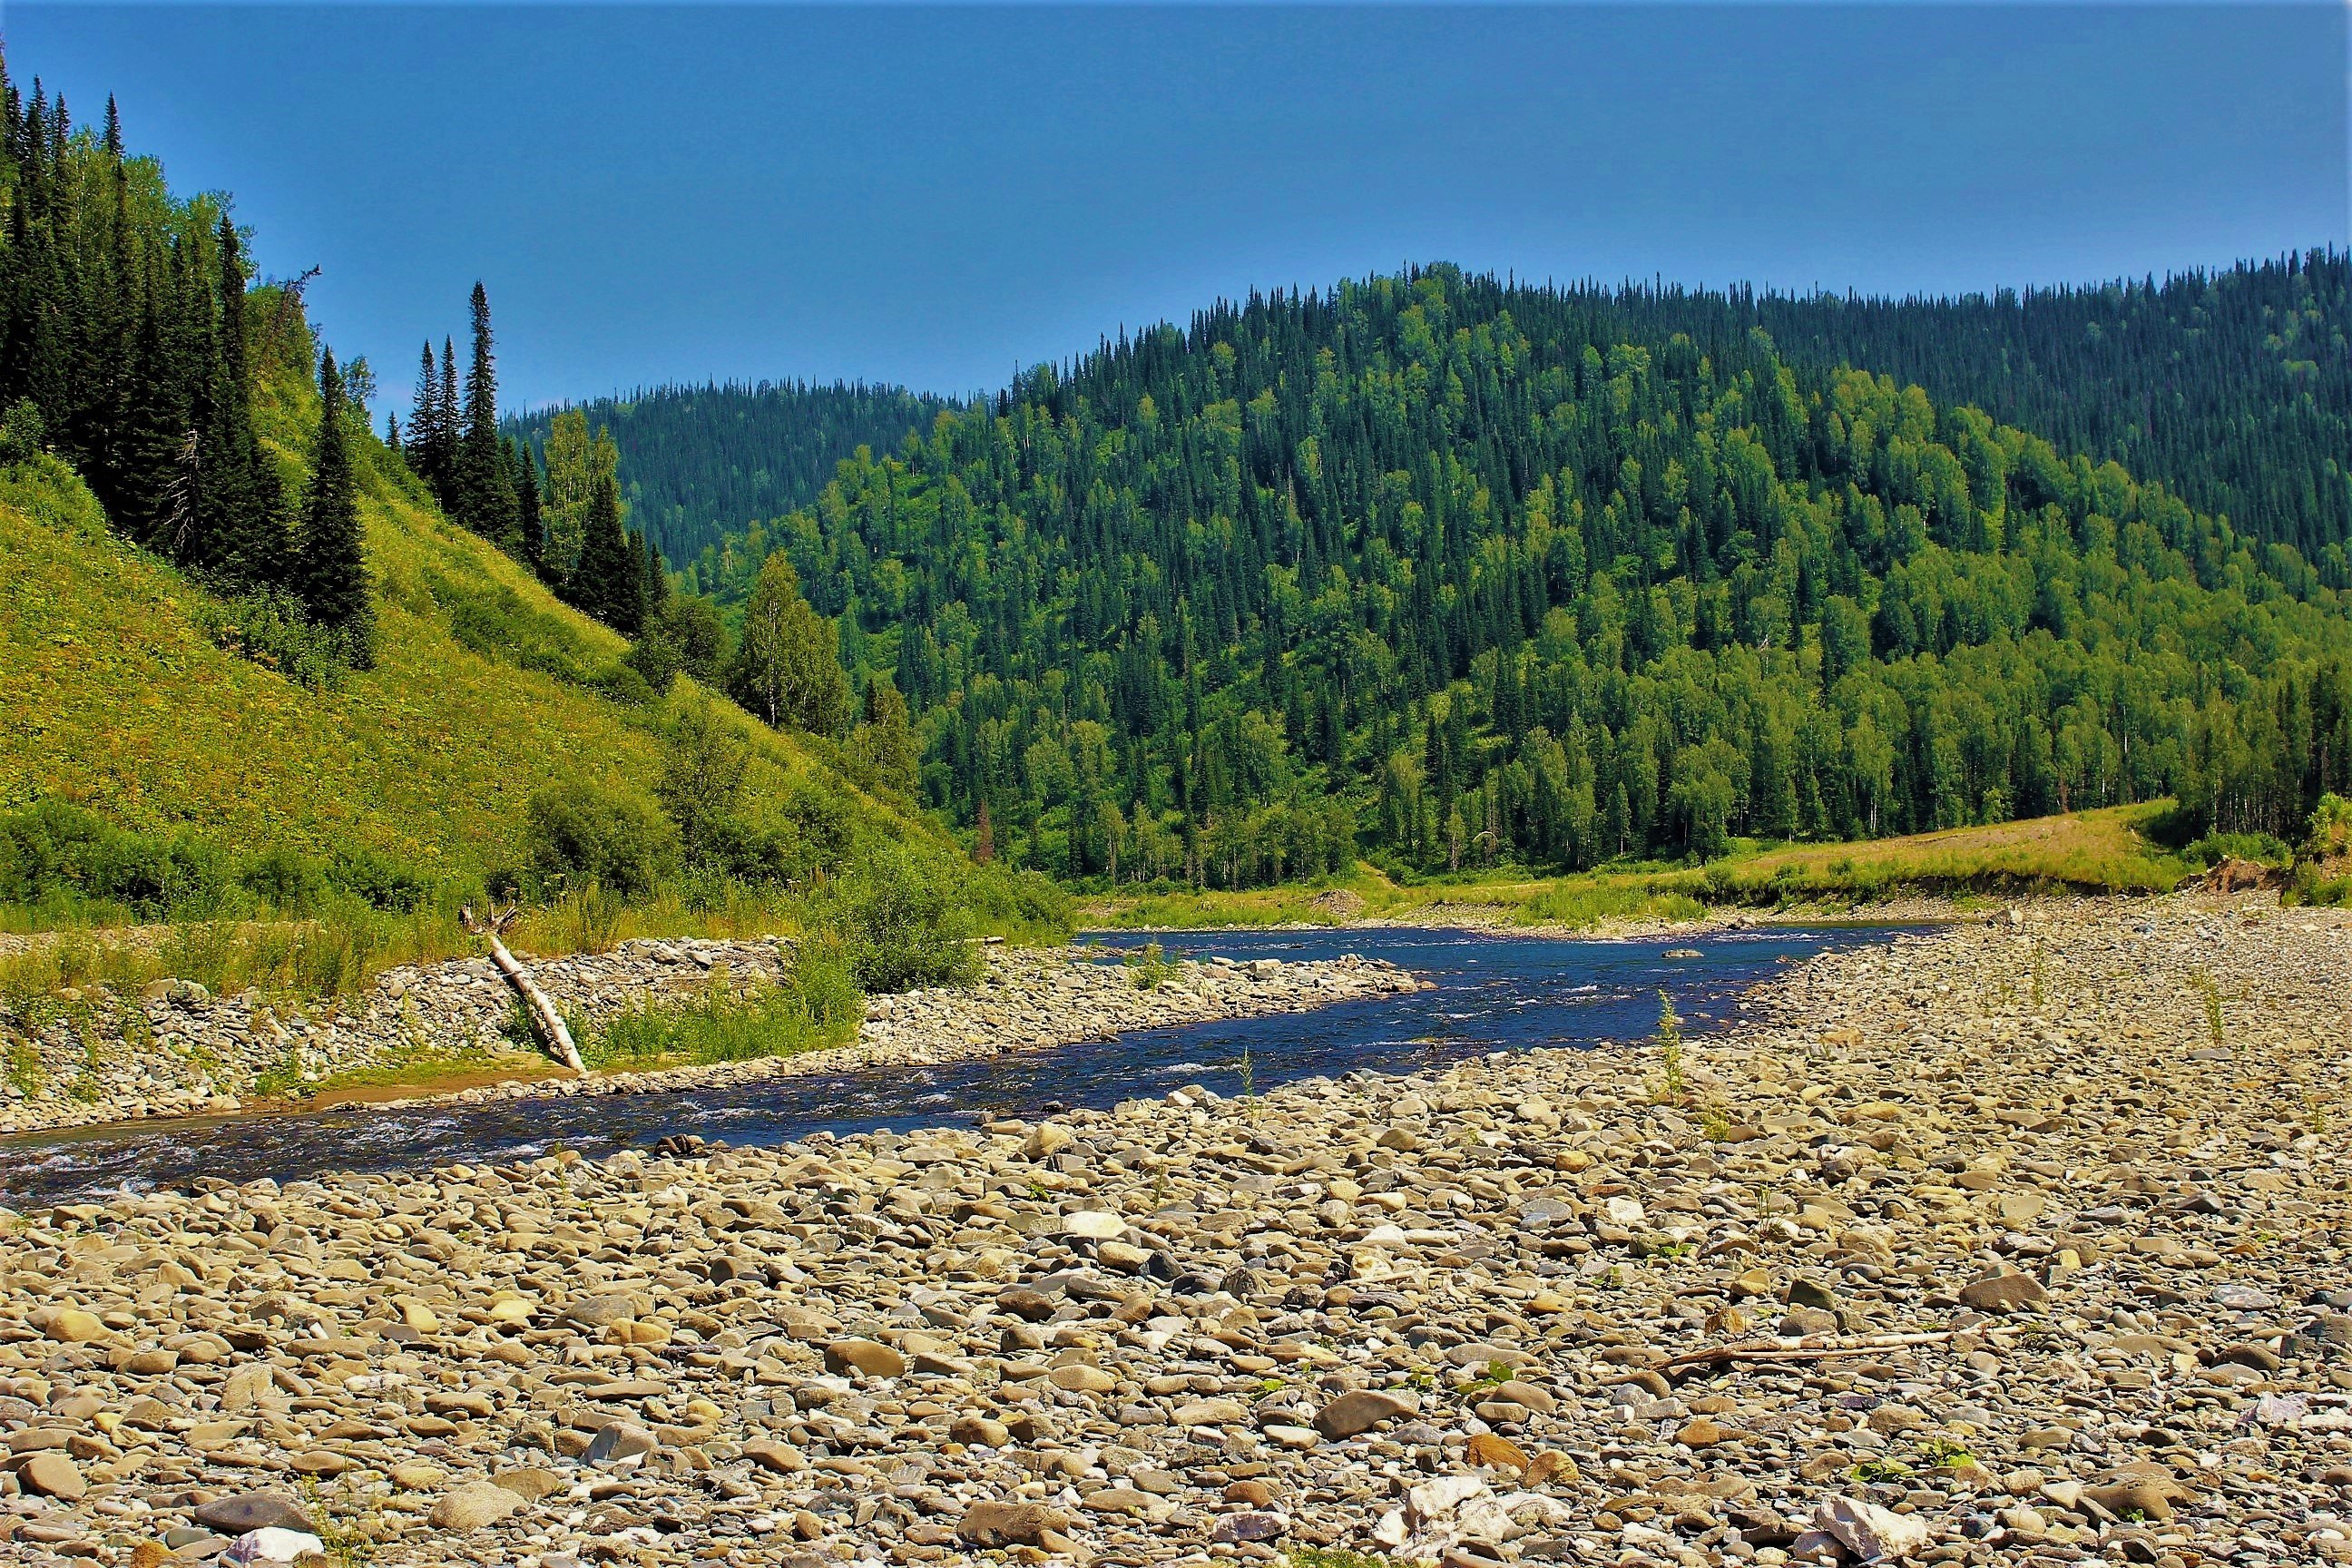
(607, 581)
(485, 490)
(530, 528)
(248, 541)
(447, 430)
(334, 585)
(424, 421)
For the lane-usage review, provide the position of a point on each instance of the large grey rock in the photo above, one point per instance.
(242, 1512)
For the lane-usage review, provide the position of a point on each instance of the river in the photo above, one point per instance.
(1489, 993)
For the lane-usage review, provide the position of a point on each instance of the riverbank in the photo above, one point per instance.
(444, 1032)
(2010, 1242)
(1956, 872)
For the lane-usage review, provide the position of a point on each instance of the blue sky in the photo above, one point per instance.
(932, 196)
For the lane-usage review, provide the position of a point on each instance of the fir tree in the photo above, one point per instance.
(530, 528)
(447, 430)
(605, 581)
(248, 540)
(334, 585)
(424, 421)
(484, 490)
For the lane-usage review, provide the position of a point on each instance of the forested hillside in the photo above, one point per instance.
(2233, 389)
(255, 659)
(1453, 574)
(700, 462)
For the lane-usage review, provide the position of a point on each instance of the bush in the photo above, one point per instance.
(286, 879)
(23, 434)
(819, 833)
(582, 833)
(900, 926)
(2308, 886)
(2329, 832)
(63, 858)
(623, 685)
(270, 629)
(376, 880)
(818, 1005)
(2214, 847)
(1025, 902)
(656, 657)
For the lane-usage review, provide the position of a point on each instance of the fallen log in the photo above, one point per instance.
(1808, 1350)
(539, 1007)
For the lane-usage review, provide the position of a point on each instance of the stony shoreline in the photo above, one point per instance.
(185, 1053)
(1975, 1248)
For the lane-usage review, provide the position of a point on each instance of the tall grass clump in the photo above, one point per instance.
(1579, 905)
(818, 1004)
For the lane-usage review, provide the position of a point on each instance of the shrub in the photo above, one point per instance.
(376, 880)
(2329, 832)
(817, 1005)
(270, 629)
(283, 880)
(704, 758)
(900, 926)
(692, 622)
(1025, 902)
(818, 833)
(62, 857)
(22, 433)
(2309, 887)
(2214, 847)
(579, 833)
(657, 658)
(623, 685)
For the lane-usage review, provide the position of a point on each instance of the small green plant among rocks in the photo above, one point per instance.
(1339, 1557)
(1881, 1472)
(1669, 1040)
(2209, 994)
(1151, 966)
(1944, 1453)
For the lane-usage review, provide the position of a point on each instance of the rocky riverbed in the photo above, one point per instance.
(2022, 1242)
(176, 1050)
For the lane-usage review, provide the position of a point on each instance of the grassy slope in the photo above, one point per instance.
(2093, 851)
(112, 695)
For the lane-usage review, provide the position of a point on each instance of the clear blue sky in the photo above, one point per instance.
(930, 197)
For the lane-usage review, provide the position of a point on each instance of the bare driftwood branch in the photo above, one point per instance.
(545, 1021)
(1806, 1350)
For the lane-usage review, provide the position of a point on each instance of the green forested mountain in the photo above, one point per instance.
(700, 462)
(1451, 574)
(2233, 388)
(255, 659)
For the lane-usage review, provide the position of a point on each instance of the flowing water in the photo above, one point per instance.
(1490, 993)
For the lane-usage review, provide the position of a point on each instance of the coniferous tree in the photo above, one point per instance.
(248, 542)
(606, 582)
(653, 576)
(335, 579)
(484, 490)
(425, 434)
(448, 430)
(530, 528)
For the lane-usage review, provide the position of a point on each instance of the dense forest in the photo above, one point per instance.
(700, 462)
(261, 659)
(127, 330)
(1453, 574)
(2233, 388)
